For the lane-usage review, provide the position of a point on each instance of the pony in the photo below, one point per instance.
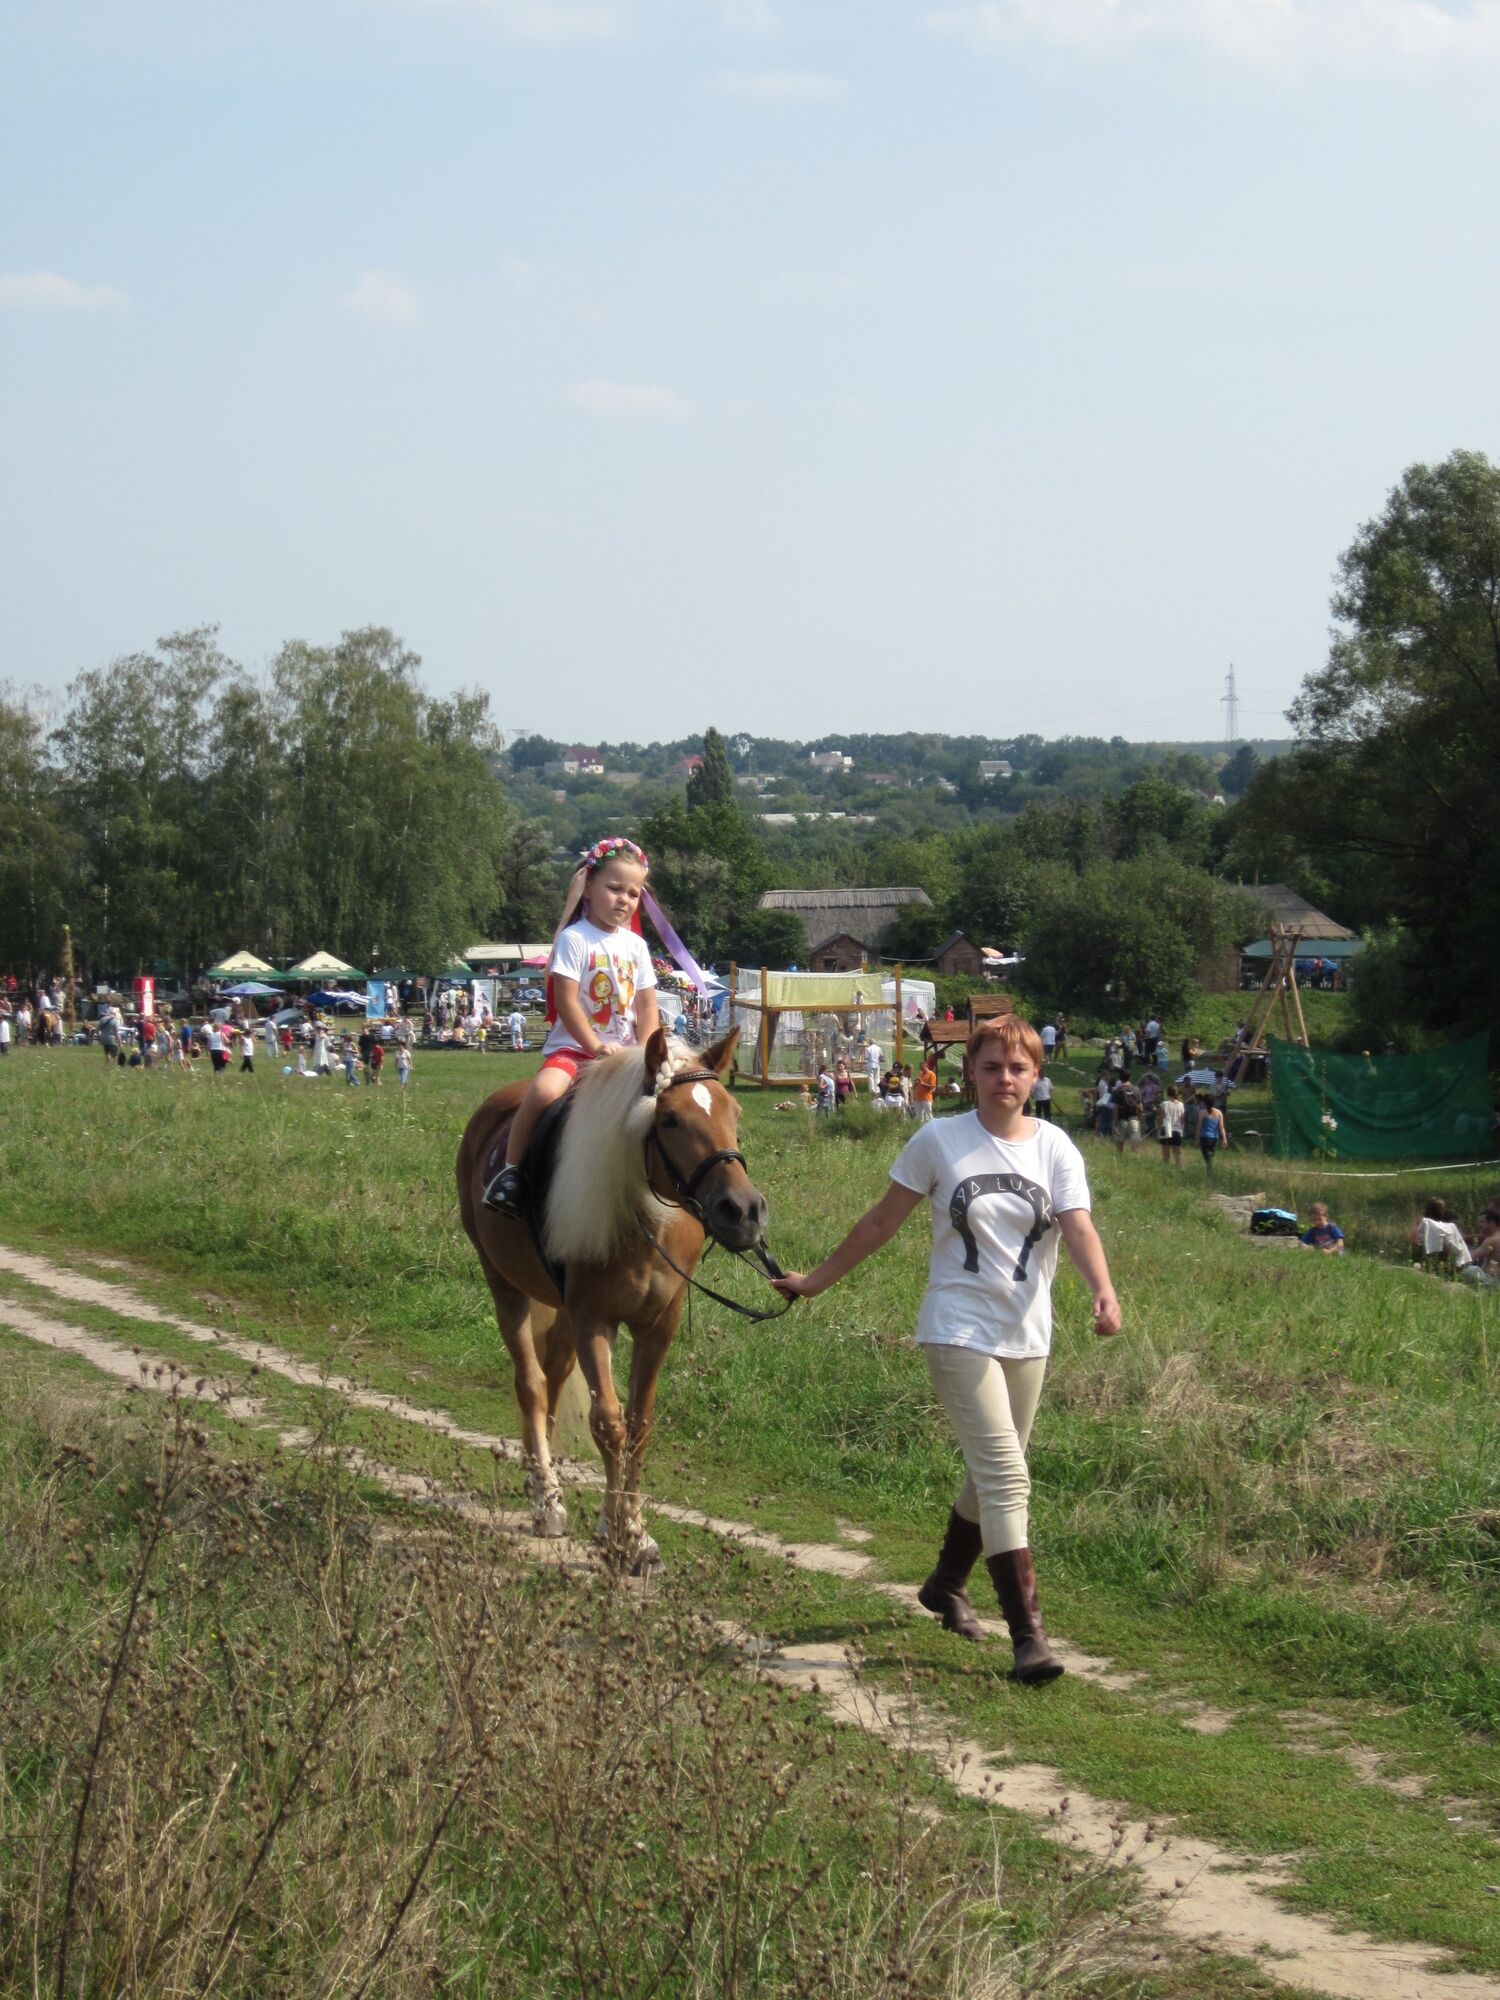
(647, 1169)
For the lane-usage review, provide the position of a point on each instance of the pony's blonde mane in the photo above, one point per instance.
(599, 1183)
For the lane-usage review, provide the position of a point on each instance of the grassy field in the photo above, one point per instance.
(1275, 1499)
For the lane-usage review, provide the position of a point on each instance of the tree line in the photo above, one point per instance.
(183, 808)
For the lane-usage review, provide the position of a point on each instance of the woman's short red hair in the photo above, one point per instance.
(1010, 1033)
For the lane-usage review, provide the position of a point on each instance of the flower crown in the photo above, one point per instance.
(606, 850)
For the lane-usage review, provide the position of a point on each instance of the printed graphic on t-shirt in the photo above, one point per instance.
(611, 968)
(969, 1191)
(995, 1206)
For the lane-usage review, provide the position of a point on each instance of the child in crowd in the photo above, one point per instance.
(350, 1055)
(1041, 1095)
(377, 1059)
(1169, 1126)
(1321, 1234)
(403, 1064)
(924, 1090)
(825, 1088)
(603, 989)
(247, 1051)
(1003, 1188)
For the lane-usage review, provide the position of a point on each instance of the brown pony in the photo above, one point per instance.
(647, 1168)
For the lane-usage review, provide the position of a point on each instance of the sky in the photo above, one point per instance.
(791, 365)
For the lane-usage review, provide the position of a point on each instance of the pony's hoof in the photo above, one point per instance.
(550, 1520)
(647, 1557)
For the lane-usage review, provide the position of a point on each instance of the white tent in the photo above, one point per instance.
(323, 965)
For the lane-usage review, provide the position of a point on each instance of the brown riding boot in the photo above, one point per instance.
(1014, 1579)
(944, 1591)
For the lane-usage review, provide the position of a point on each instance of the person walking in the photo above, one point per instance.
(1211, 1134)
(1003, 1189)
(1041, 1096)
(247, 1049)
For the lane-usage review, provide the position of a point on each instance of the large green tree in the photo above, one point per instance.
(39, 853)
(1391, 789)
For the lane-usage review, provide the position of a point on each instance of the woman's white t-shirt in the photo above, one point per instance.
(995, 1204)
(1169, 1119)
(611, 967)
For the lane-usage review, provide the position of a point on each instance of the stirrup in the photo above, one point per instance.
(504, 1195)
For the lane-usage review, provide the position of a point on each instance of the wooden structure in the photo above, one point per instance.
(938, 1037)
(765, 1034)
(839, 953)
(867, 915)
(958, 954)
(1279, 985)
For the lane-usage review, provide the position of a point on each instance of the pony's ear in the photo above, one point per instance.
(656, 1055)
(721, 1055)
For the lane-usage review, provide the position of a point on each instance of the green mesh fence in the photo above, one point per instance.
(1434, 1106)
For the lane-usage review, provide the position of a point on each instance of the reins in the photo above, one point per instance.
(686, 1190)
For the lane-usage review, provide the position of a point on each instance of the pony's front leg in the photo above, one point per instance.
(649, 1344)
(593, 1342)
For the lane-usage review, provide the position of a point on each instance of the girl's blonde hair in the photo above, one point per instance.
(617, 848)
(1011, 1034)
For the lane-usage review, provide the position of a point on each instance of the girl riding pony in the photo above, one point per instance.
(602, 988)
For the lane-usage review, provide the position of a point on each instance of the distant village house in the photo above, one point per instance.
(830, 760)
(991, 768)
(579, 762)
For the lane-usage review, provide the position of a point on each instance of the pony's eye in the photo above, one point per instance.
(670, 1120)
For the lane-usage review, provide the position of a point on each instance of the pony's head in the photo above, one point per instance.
(692, 1152)
(650, 1131)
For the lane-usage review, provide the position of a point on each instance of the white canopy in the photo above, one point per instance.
(323, 965)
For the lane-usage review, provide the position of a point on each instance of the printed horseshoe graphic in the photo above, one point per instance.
(969, 1191)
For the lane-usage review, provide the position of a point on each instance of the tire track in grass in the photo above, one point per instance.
(1196, 1891)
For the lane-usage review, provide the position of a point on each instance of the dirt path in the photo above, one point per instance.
(1196, 1890)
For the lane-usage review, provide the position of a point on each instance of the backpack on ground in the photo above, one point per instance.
(1274, 1222)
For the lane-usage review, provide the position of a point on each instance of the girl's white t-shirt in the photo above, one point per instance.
(995, 1204)
(1169, 1119)
(611, 967)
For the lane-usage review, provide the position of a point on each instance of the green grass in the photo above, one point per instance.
(1278, 1491)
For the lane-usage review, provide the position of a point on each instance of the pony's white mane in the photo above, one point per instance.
(599, 1182)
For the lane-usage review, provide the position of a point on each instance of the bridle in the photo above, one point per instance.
(685, 1188)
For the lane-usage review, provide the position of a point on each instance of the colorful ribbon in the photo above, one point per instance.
(673, 942)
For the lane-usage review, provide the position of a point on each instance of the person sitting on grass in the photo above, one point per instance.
(1321, 1234)
(1437, 1239)
(1003, 1188)
(603, 991)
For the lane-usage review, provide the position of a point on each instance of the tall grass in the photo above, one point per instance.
(1276, 1437)
(255, 1738)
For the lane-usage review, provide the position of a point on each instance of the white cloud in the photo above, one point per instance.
(749, 17)
(1358, 36)
(782, 86)
(383, 299)
(542, 20)
(630, 402)
(46, 291)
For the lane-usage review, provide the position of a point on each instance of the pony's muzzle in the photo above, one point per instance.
(736, 1217)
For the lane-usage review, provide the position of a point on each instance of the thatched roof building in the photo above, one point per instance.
(864, 914)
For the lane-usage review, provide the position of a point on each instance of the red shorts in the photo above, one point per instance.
(569, 1061)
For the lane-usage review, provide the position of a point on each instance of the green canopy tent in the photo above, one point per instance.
(242, 965)
(323, 965)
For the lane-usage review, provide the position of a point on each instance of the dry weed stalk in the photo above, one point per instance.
(286, 1752)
